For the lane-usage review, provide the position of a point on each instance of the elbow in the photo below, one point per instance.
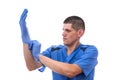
(71, 74)
(30, 68)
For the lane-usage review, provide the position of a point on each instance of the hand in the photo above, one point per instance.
(24, 31)
(35, 47)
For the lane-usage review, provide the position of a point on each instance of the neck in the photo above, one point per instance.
(71, 48)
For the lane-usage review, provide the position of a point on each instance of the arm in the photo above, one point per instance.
(66, 69)
(30, 61)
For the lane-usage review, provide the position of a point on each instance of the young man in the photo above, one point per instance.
(71, 61)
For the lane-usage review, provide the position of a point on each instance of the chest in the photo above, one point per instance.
(61, 55)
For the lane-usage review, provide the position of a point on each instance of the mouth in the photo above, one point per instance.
(64, 39)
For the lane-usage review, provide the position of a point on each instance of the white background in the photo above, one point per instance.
(44, 21)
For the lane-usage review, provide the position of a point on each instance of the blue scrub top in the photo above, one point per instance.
(85, 56)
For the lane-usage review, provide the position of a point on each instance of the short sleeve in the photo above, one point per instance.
(48, 52)
(88, 60)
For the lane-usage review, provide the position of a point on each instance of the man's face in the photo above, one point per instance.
(70, 36)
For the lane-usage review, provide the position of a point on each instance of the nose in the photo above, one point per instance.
(63, 34)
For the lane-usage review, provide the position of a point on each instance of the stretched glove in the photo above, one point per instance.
(35, 48)
(24, 32)
(42, 69)
(34, 45)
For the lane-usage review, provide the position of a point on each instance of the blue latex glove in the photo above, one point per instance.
(35, 48)
(24, 32)
(42, 69)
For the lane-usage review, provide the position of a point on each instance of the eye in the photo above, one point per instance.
(67, 30)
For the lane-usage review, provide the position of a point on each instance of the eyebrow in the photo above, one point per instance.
(68, 30)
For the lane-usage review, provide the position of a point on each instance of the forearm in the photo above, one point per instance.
(66, 69)
(29, 59)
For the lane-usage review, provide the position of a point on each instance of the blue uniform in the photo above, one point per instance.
(85, 56)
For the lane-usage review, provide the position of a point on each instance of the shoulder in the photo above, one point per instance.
(92, 47)
(55, 47)
(89, 48)
(52, 49)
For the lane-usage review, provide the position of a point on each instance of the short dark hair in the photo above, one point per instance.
(76, 21)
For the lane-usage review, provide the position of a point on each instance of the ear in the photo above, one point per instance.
(80, 32)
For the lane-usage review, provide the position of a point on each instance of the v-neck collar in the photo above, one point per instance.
(69, 57)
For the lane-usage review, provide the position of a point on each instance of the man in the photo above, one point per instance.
(71, 61)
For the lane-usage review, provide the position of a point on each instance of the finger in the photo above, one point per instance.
(24, 14)
(35, 42)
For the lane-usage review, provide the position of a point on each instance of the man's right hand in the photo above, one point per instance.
(24, 32)
(35, 48)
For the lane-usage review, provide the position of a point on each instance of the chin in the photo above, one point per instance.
(66, 44)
